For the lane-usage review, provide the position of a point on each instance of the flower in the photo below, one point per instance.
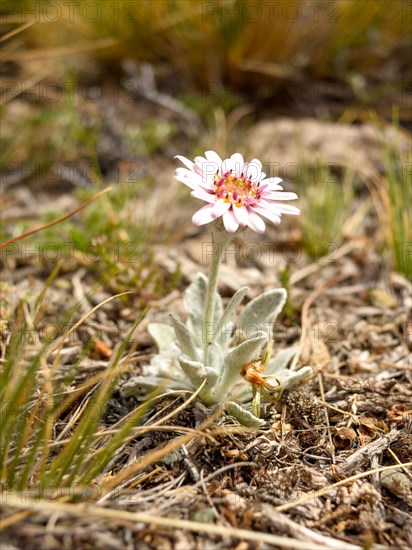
(235, 190)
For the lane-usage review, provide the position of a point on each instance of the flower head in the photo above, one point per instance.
(235, 190)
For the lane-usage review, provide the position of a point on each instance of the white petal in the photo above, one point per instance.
(272, 180)
(237, 163)
(241, 215)
(198, 169)
(230, 223)
(186, 181)
(279, 207)
(204, 215)
(254, 169)
(272, 184)
(271, 215)
(279, 196)
(228, 165)
(185, 161)
(199, 179)
(186, 172)
(199, 160)
(220, 207)
(287, 209)
(203, 196)
(255, 222)
(212, 156)
(257, 163)
(207, 168)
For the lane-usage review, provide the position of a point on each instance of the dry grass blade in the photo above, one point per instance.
(226, 468)
(143, 430)
(47, 53)
(286, 525)
(335, 255)
(407, 472)
(17, 388)
(81, 510)
(157, 455)
(56, 221)
(14, 518)
(108, 448)
(59, 343)
(80, 444)
(17, 31)
(127, 432)
(26, 85)
(149, 401)
(31, 404)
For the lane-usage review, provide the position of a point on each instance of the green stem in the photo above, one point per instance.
(219, 240)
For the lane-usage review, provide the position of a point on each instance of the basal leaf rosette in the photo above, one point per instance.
(180, 363)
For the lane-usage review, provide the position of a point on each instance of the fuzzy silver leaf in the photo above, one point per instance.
(289, 378)
(197, 372)
(162, 334)
(235, 359)
(242, 415)
(231, 307)
(281, 360)
(184, 338)
(263, 308)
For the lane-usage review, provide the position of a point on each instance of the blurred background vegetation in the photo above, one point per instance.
(110, 91)
(263, 49)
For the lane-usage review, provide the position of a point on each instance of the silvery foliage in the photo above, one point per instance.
(181, 363)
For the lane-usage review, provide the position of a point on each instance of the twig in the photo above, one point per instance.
(16, 31)
(144, 85)
(194, 472)
(332, 257)
(14, 518)
(56, 221)
(320, 492)
(286, 525)
(28, 84)
(322, 393)
(221, 471)
(358, 457)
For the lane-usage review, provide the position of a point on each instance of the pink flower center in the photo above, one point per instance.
(238, 190)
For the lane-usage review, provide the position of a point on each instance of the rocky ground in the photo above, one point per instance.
(322, 471)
